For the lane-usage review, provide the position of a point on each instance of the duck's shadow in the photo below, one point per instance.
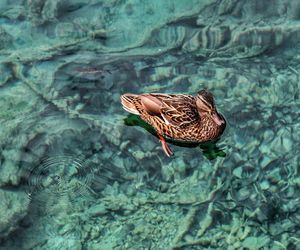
(209, 149)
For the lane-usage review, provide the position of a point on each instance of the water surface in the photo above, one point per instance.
(76, 172)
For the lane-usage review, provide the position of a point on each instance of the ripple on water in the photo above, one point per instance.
(58, 177)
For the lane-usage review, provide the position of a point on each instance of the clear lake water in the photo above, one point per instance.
(78, 172)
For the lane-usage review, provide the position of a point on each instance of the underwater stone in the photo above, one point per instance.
(170, 36)
(138, 155)
(264, 185)
(131, 191)
(253, 243)
(279, 228)
(237, 158)
(98, 146)
(10, 215)
(62, 243)
(240, 140)
(50, 10)
(9, 172)
(256, 125)
(274, 176)
(261, 36)
(5, 72)
(124, 145)
(263, 213)
(265, 161)
(291, 192)
(226, 6)
(107, 82)
(65, 30)
(167, 172)
(291, 206)
(5, 39)
(208, 38)
(148, 146)
(180, 80)
(13, 13)
(161, 73)
(282, 142)
(238, 172)
(243, 194)
(113, 134)
(287, 143)
(180, 166)
(35, 9)
(97, 210)
(297, 181)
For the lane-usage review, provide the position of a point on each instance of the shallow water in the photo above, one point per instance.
(78, 172)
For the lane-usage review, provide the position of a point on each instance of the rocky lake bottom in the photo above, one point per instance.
(78, 172)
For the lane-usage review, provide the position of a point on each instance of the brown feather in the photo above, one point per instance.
(176, 115)
(127, 101)
(151, 104)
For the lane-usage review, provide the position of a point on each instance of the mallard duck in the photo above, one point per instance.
(178, 117)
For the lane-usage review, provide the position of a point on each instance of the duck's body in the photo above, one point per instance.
(179, 117)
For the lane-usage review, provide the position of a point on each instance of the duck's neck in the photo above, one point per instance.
(207, 129)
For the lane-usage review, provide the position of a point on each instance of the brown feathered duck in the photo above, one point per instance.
(178, 117)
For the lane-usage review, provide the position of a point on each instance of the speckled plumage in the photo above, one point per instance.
(178, 116)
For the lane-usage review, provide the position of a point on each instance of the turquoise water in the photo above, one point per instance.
(77, 172)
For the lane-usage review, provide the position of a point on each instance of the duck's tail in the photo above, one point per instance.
(128, 102)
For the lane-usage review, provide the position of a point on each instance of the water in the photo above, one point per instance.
(78, 172)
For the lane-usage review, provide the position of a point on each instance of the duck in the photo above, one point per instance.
(178, 117)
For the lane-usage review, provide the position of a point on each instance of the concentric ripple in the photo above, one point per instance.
(59, 176)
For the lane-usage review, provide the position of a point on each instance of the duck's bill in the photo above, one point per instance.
(217, 119)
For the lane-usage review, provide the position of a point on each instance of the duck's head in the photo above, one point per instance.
(206, 106)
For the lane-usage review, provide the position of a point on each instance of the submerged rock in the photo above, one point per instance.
(5, 39)
(253, 243)
(13, 208)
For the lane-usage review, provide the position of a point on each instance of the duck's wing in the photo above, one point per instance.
(175, 110)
